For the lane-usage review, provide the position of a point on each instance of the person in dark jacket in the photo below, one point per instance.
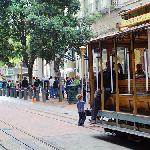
(25, 83)
(56, 87)
(107, 91)
(68, 83)
(35, 87)
(36, 84)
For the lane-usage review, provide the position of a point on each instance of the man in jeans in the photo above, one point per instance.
(51, 89)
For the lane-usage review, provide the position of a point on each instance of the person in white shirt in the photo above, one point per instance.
(51, 88)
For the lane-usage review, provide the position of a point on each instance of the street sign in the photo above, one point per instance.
(10, 72)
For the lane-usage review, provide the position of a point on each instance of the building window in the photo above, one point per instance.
(114, 2)
(97, 4)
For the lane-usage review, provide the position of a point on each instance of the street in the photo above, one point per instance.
(52, 125)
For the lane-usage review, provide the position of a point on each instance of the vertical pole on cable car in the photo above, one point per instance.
(116, 71)
(128, 62)
(97, 70)
(146, 68)
(87, 72)
(111, 70)
(133, 70)
(101, 70)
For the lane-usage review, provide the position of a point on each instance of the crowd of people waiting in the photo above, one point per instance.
(66, 83)
(52, 85)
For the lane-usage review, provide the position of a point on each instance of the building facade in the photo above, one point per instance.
(108, 23)
(43, 70)
(109, 10)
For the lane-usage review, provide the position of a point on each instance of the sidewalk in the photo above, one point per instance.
(51, 102)
(63, 104)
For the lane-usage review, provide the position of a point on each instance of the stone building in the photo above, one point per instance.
(109, 10)
(43, 70)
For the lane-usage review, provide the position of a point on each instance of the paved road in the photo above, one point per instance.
(24, 125)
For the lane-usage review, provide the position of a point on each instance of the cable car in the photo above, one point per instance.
(129, 47)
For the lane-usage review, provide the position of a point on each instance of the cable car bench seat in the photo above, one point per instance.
(126, 102)
(140, 85)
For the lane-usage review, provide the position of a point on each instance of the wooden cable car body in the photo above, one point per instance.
(127, 109)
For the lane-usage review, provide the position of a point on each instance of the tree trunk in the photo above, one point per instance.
(56, 68)
(60, 88)
(30, 71)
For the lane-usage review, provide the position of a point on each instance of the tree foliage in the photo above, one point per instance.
(6, 48)
(42, 28)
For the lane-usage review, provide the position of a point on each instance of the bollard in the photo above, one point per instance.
(15, 93)
(25, 94)
(37, 95)
(20, 94)
(34, 96)
(44, 95)
(4, 92)
(7, 92)
(11, 92)
(0, 92)
(30, 93)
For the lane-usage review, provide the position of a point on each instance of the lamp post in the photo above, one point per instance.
(21, 64)
(5, 68)
(82, 50)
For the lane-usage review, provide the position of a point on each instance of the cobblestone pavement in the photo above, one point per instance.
(52, 125)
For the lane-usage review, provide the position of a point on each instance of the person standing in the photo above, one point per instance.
(56, 86)
(68, 83)
(76, 81)
(35, 89)
(24, 86)
(51, 89)
(24, 83)
(81, 111)
(63, 89)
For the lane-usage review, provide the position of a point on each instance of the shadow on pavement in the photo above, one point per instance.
(144, 145)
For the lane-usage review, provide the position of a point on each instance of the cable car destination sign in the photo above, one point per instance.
(135, 20)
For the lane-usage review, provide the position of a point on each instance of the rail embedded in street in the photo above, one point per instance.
(47, 144)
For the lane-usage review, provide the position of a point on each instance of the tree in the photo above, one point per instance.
(44, 28)
(57, 33)
(6, 48)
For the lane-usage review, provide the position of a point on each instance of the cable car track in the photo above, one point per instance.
(3, 147)
(50, 115)
(42, 141)
(16, 139)
(57, 114)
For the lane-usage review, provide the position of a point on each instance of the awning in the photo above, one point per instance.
(118, 33)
